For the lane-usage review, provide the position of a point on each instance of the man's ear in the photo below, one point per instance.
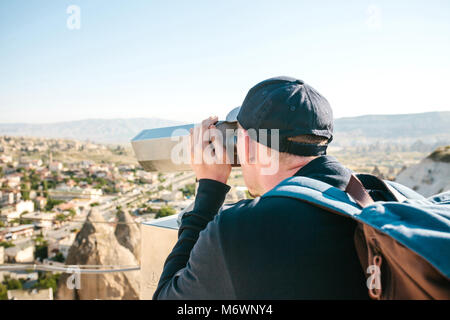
(244, 147)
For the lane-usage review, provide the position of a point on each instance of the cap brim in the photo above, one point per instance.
(232, 115)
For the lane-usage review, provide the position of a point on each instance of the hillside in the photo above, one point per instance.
(97, 130)
(431, 175)
(431, 128)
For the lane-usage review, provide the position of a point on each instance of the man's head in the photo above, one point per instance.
(284, 124)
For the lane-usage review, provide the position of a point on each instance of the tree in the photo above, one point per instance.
(13, 284)
(59, 257)
(6, 244)
(72, 212)
(41, 251)
(47, 280)
(3, 292)
(188, 190)
(25, 192)
(51, 203)
(61, 217)
(165, 211)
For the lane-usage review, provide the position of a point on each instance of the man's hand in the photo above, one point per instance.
(208, 156)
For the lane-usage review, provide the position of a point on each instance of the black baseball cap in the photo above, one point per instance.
(292, 107)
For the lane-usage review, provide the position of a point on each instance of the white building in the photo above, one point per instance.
(5, 158)
(61, 245)
(2, 255)
(13, 212)
(10, 197)
(41, 219)
(55, 166)
(147, 177)
(20, 253)
(25, 206)
(66, 193)
(20, 232)
(170, 195)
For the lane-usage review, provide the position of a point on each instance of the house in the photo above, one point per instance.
(20, 253)
(13, 180)
(65, 193)
(55, 166)
(40, 202)
(33, 294)
(61, 244)
(147, 177)
(19, 232)
(8, 213)
(10, 197)
(2, 255)
(30, 164)
(170, 195)
(5, 159)
(41, 219)
(24, 275)
(25, 206)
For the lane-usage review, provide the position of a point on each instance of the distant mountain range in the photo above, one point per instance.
(430, 127)
(95, 130)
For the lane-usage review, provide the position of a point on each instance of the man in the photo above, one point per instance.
(267, 247)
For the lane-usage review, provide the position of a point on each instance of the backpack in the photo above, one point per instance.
(403, 242)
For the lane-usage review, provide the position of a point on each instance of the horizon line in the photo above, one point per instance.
(182, 122)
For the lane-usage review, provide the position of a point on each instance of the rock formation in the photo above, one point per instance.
(96, 244)
(128, 234)
(431, 175)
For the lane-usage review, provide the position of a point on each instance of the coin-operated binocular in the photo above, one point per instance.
(163, 149)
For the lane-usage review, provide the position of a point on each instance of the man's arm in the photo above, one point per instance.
(195, 268)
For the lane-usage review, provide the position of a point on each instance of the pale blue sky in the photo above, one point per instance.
(186, 60)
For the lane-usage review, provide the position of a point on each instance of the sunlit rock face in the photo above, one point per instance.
(431, 175)
(97, 244)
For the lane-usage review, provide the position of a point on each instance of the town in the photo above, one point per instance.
(47, 190)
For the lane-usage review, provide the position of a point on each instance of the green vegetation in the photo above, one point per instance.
(188, 190)
(52, 203)
(72, 212)
(441, 154)
(7, 244)
(59, 257)
(61, 217)
(3, 292)
(161, 177)
(165, 211)
(144, 209)
(41, 252)
(47, 280)
(9, 284)
(24, 192)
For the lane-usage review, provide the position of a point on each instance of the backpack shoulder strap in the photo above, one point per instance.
(317, 193)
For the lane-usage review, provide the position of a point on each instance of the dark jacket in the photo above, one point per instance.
(271, 248)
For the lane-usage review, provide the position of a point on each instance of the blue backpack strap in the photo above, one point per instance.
(317, 193)
(404, 191)
(420, 224)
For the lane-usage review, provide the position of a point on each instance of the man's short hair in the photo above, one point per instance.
(310, 139)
